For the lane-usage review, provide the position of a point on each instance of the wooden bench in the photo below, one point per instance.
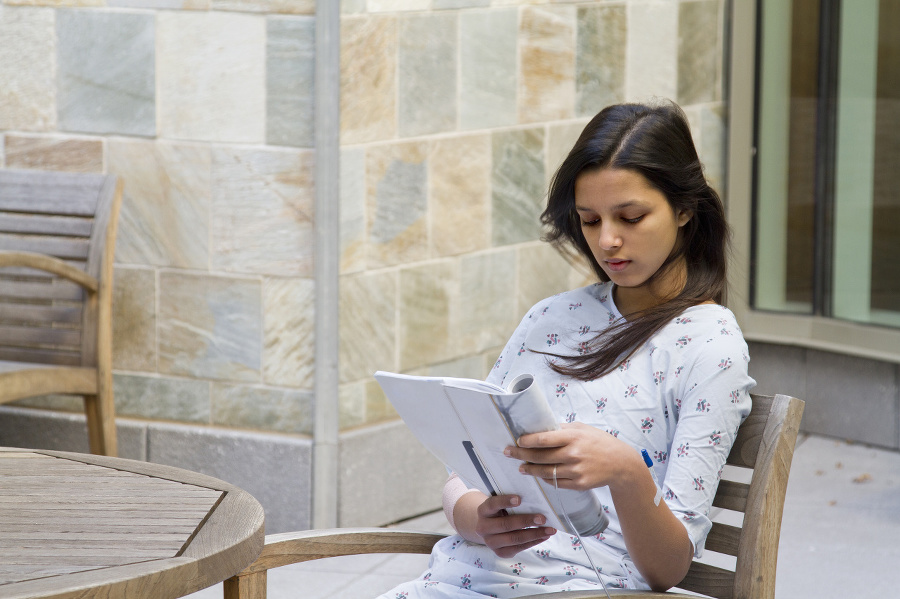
(57, 238)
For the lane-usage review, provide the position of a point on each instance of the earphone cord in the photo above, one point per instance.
(572, 528)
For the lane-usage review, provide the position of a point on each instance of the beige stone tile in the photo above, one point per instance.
(699, 52)
(486, 312)
(261, 408)
(398, 5)
(353, 210)
(165, 208)
(547, 63)
(459, 188)
(396, 203)
(542, 272)
(560, 139)
(427, 293)
(27, 69)
(162, 398)
(600, 65)
(368, 78)
(351, 404)
(57, 3)
(293, 7)
(161, 4)
(378, 407)
(652, 50)
(261, 219)
(469, 367)
(134, 319)
(289, 332)
(54, 153)
(210, 327)
(368, 305)
(210, 73)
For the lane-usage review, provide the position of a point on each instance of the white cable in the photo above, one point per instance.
(572, 528)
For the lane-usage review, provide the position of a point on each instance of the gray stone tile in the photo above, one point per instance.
(290, 81)
(260, 408)
(42, 429)
(517, 182)
(275, 469)
(183, 400)
(134, 319)
(487, 306)
(210, 327)
(353, 209)
(779, 369)
(699, 53)
(600, 59)
(27, 69)
(261, 217)
(851, 398)
(106, 72)
(653, 44)
(370, 458)
(426, 80)
(449, 4)
(165, 207)
(488, 58)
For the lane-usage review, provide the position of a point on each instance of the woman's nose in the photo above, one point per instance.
(609, 237)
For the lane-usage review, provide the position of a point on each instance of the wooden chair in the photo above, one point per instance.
(57, 237)
(765, 444)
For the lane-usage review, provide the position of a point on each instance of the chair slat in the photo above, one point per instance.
(17, 336)
(49, 193)
(40, 356)
(708, 580)
(60, 247)
(68, 226)
(29, 313)
(723, 538)
(56, 289)
(746, 445)
(731, 495)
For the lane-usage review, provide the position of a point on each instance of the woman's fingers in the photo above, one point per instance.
(508, 534)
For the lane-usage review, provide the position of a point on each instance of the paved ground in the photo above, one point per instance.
(841, 527)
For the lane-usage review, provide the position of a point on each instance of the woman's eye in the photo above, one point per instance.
(634, 220)
(590, 223)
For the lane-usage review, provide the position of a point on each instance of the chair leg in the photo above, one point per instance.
(101, 423)
(248, 586)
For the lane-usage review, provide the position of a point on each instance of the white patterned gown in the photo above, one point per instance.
(681, 396)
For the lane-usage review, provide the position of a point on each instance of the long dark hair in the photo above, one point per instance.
(654, 141)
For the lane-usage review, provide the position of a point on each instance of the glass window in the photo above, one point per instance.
(827, 180)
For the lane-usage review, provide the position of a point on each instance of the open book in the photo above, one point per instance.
(467, 423)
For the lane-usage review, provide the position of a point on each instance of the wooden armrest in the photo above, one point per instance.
(294, 547)
(49, 264)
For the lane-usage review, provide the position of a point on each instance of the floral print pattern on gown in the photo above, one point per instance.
(681, 396)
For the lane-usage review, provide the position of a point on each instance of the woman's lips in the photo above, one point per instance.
(617, 265)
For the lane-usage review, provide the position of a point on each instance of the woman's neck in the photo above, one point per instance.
(632, 300)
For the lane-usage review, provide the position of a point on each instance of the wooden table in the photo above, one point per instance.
(75, 525)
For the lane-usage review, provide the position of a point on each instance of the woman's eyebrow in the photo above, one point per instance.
(621, 206)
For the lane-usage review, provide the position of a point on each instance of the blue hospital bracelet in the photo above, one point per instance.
(649, 463)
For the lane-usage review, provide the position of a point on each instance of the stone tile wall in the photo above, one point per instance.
(454, 116)
(205, 109)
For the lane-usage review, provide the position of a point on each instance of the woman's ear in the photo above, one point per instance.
(683, 217)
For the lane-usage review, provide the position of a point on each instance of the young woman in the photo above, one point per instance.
(645, 359)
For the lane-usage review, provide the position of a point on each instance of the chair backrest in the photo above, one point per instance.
(765, 443)
(45, 318)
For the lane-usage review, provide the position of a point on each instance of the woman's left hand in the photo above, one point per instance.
(582, 456)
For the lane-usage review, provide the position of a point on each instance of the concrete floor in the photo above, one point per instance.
(841, 527)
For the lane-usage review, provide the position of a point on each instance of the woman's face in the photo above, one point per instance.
(631, 229)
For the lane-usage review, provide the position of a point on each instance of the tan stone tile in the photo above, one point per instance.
(699, 52)
(289, 332)
(165, 208)
(261, 408)
(56, 3)
(459, 188)
(208, 89)
(600, 65)
(368, 306)
(261, 219)
(293, 7)
(426, 295)
(560, 139)
(542, 272)
(351, 404)
(162, 398)
(398, 5)
(210, 327)
(652, 44)
(353, 210)
(134, 319)
(547, 63)
(470, 367)
(27, 69)
(54, 154)
(368, 78)
(396, 203)
(378, 407)
(486, 312)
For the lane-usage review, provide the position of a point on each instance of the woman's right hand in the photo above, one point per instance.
(508, 534)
